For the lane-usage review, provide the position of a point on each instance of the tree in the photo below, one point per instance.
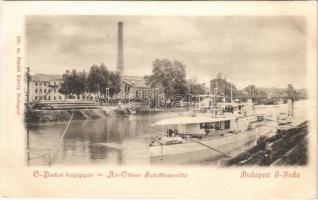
(114, 83)
(95, 79)
(99, 78)
(196, 88)
(170, 76)
(221, 86)
(81, 83)
(73, 83)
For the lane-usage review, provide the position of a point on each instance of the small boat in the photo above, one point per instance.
(195, 139)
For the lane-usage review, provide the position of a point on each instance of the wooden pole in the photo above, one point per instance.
(60, 141)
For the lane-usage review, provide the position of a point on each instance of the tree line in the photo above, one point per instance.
(96, 81)
(171, 76)
(168, 76)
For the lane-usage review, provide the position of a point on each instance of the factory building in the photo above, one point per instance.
(45, 87)
(133, 87)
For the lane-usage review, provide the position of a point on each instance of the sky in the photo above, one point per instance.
(266, 51)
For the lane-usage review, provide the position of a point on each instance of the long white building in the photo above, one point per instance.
(45, 87)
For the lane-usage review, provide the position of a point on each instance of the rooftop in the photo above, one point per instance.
(46, 77)
(139, 81)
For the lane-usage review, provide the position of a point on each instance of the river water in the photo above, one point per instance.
(106, 141)
(121, 140)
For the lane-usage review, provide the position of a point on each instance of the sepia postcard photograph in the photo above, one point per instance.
(217, 95)
(130, 89)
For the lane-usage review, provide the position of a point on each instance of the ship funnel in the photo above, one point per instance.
(290, 108)
(250, 107)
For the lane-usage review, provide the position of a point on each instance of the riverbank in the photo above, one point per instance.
(36, 116)
(58, 115)
(287, 147)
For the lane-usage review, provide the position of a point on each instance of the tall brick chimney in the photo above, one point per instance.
(120, 50)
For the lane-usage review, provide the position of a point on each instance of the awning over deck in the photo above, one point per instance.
(191, 120)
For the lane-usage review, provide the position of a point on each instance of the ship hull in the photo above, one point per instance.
(192, 152)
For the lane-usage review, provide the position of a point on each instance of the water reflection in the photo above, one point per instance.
(104, 141)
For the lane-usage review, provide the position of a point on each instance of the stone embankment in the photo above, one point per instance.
(38, 116)
(64, 115)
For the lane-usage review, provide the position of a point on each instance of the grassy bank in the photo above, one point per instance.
(287, 147)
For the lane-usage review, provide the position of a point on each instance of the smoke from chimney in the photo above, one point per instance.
(120, 50)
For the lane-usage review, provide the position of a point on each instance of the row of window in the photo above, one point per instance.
(47, 98)
(44, 90)
(44, 83)
(216, 125)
